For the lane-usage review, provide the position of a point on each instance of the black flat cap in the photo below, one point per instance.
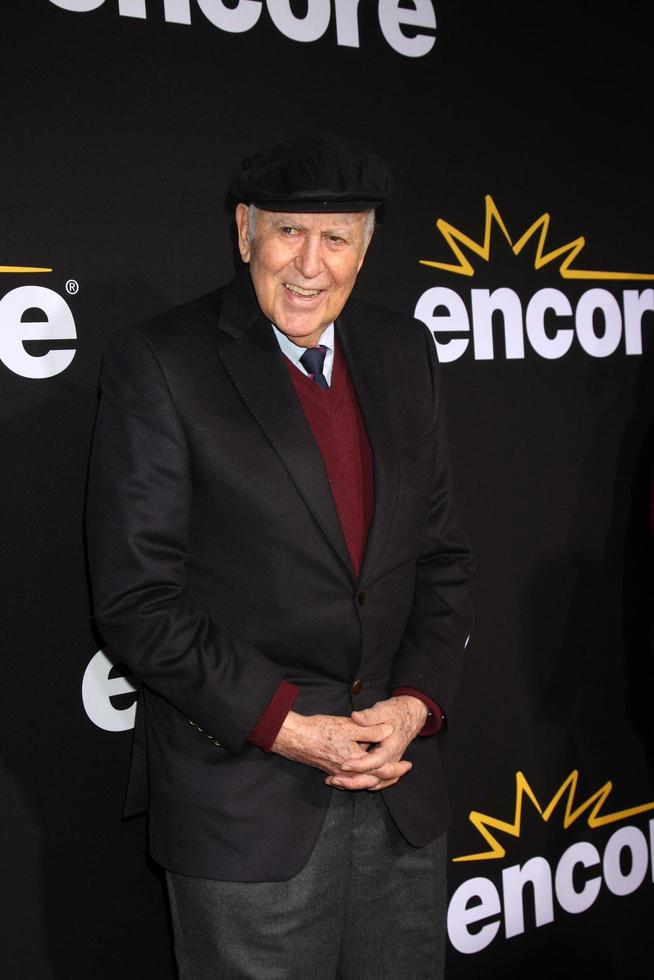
(318, 173)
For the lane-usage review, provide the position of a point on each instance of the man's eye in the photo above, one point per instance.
(288, 230)
(336, 239)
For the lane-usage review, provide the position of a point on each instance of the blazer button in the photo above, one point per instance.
(357, 687)
(361, 598)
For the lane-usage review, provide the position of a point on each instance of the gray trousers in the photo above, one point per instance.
(366, 906)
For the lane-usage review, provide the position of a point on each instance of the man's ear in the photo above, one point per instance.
(241, 216)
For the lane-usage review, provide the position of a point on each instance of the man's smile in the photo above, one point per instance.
(301, 291)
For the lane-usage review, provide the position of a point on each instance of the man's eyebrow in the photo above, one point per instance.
(345, 227)
(286, 221)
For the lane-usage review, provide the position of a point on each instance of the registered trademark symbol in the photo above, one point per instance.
(72, 286)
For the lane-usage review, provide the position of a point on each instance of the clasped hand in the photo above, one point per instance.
(361, 752)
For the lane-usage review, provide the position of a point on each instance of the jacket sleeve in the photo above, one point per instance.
(138, 513)
(430, 657)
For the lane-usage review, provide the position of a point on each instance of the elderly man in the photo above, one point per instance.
(275, 553)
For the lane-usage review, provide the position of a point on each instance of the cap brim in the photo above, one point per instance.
(312, 206)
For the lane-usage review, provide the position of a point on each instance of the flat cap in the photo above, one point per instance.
(317, 173)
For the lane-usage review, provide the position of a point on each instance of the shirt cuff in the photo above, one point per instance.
(436, 716)
(267, 727)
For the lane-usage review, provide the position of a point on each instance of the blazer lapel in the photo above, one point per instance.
(373, 385)
(256, 366)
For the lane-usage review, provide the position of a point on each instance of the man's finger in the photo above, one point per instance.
(383, 785)
(367, 716)
(353, 782)
(370, 761)
(368, 780)
(377, 732)
(389, 751)
(393, 771)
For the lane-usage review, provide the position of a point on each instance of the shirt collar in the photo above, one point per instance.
(294, 353)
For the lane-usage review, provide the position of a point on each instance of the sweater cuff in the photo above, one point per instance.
(435, 718)
(267, 727)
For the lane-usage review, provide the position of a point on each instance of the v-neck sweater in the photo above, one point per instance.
(335, 421)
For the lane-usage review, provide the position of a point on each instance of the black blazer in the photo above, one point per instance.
(219, 568)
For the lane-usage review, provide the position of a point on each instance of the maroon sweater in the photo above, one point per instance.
(335, 421)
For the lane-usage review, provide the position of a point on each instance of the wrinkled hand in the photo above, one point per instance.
(327, 741)
(383, 765)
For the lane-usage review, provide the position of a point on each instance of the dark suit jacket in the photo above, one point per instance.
(219, 568)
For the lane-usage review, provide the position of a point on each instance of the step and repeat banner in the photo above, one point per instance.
(520, 233)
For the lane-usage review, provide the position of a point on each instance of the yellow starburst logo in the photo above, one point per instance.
(539, 231)
(594, 805)
(23, 268)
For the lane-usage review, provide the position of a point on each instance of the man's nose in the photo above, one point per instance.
(308, 260)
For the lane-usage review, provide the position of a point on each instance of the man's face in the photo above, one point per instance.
(303, 267)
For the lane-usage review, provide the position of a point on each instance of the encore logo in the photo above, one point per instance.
(108, 694)
(408, 30)
(479, 907)
(599, 322)
(37, 327)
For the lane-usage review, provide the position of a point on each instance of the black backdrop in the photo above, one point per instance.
(119, 134)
